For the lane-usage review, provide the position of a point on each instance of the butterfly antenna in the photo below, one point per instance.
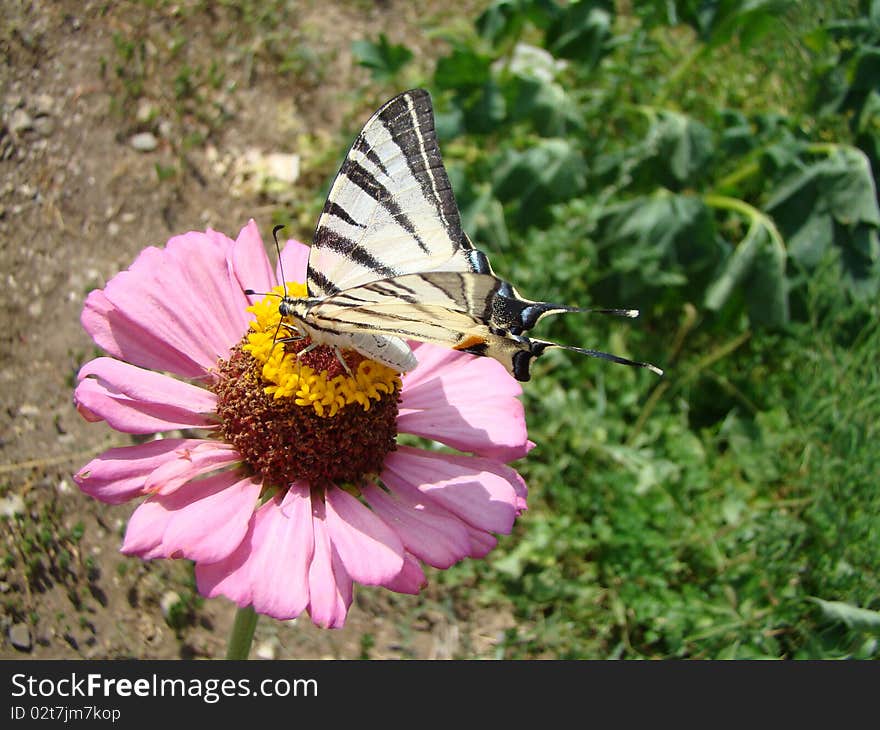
(631, 313)
(612, 358)
(542, 308)
(278, 252)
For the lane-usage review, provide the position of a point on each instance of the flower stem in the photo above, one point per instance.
(242, 633)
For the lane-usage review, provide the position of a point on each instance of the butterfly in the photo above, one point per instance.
(390, 262)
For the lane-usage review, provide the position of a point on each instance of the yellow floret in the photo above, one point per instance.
(288, 377)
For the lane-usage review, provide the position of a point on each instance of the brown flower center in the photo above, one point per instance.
(283, 441)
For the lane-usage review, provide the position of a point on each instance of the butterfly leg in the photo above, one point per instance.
(342, 362)
(300, 335)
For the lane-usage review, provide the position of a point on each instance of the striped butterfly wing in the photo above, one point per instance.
(390, 262)
(390, 210)
(468, 311)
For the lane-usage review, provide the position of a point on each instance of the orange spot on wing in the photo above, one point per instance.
(469, 341)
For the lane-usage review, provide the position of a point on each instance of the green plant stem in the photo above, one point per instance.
(242, 633)
(749, 211)
(743, 172)
(753, 166)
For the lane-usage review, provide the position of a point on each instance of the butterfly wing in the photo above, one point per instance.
(390, 210)
(467, 311)
(390, 260)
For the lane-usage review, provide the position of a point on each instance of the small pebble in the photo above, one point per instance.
(146, 111)
(19, 122)
(144, 142)
(20, 637)
(168, 602)
(12, 505)
(44, 104)
(266, 650)
(44, 126)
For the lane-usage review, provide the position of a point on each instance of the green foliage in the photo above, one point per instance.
(833, 202)
(666, 160)
(384, 59)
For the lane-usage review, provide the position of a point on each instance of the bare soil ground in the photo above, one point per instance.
(78, 200)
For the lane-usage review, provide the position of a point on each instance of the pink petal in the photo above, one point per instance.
(480, 491)
(271, 568)
(370, 550)
(221, 241)
(230, 576)
(122, 337)
(133, 400)
(95, 402)
(206, 457)
(204, 521)
(213, 288)
(282, 548)
(482, 543)
(250, 266)
(330, 585)
(295, 260)
(427, 530)
(148, 386)
(183, 296)
(120, 474)
(410, 580)
(466, 402)
(470, 377)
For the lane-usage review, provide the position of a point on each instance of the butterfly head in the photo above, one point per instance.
(288, 307)
(295, 308)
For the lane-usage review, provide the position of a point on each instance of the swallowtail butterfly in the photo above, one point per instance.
(390, 262)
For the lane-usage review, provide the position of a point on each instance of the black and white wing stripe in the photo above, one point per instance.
(467, 311)
(390, 210)
(484, 297)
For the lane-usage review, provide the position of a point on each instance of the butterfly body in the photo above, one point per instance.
(390, 262)
(390, 351)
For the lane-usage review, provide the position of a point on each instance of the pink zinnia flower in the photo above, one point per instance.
(294, 492)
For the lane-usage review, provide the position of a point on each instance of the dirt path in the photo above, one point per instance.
(123, 125)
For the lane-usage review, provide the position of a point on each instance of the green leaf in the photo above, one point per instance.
(849, 185)
(676, 152)
(483, 109)
(738, 136)
(767, 287)
(501, 20)
(782, 158)
(550, 171)
(833, 203)
(581, 31)
(462, 69)
(686, 144)
(736, 269)
(384, 59)
(750, 20)
(505, 19)
(861, 262)
(657, 242)
(861, 619)
(547, 106)
(449, 124)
